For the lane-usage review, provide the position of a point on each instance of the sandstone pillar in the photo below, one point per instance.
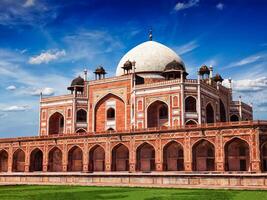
(85, 157)
(187, 154)
(108, 156)
(65, 158)
(255, 159)
(10, 160)
(219, 152)
(132, 155)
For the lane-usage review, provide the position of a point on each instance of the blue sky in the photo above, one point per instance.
(45, 44)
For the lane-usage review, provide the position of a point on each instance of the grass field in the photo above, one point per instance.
(94, 193)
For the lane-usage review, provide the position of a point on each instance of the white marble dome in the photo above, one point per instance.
(150, 57)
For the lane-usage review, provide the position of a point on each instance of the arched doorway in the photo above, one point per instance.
(222, 112)
(145, 158)
(190, 104)
(18, 161)
(157, 114)
(56, 124)
(236, 155)
(120, 158)
(3, 161)
(55, 160)
(75, 159)
(234, 118)
(203, 156)
(97, 159)
(264, 156)
(173, 157)
(36, 160)
(81, 116)
(209, 114)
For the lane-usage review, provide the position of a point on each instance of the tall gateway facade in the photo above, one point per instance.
(148, 118)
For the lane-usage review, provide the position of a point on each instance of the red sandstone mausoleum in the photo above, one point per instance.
(149, 117)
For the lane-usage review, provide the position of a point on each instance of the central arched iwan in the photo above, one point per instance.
(101, 109)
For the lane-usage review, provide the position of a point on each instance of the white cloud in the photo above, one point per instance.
(47, 57)
(182, 6)
(29, 3)
(220, 6)
(15, 108)
(252, 91)
(26, 12)
(45, 92)
(11, 88)
(248, 60)
(186, 48)
(26, 82)
(250, 85)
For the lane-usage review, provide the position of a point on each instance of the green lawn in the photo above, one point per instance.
(83, 192)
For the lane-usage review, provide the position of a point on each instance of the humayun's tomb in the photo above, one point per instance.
(149, 124)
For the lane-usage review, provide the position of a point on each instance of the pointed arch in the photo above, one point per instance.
(190, 104)
(203, 156)
(210, 114)
(3, 161)
(18, 164)
(75, 159)
(55, 160)
(36, 160)
(81, 130)
(120, 158)
(145, 157)
(264, 156)
(157, 114)
(237, 156)
(173, 156)
(222, 112)
(191, 122)
(56, 124)
(234, 118)
(97, 158)
(81, 115)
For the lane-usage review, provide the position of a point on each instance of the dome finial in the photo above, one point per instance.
(150, 35)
